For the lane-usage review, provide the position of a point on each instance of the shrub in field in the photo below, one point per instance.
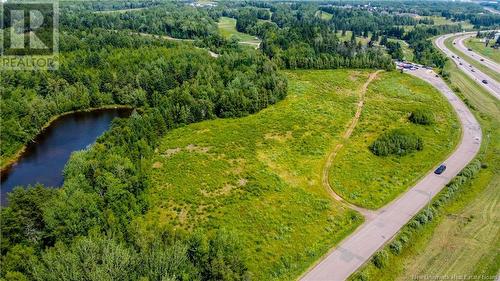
(422, 117)
(396, 142)
(396, 247)
(361, 277)
(380, 259)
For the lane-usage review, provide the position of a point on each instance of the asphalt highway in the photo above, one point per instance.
(459, 44)
(358, 248)
(492, 86)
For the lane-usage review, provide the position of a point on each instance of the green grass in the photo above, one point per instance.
(439, 20)
(444, 21)
(348, 34)
(465, 242)
(491, 73)
(407, 51)
(260, 176)
(372, 181)
(479, 47)
(464, 238)
(324, 15)
(227, 28)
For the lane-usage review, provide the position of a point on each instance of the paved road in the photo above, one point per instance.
(459, 44)
(357, 249)
(491, 10)
(493, 87)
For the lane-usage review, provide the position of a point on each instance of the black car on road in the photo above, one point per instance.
(440, 169)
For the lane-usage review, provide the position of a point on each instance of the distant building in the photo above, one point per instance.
(203, 4)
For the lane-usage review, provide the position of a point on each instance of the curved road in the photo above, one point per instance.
(491, 10)
(493, 87)
(358, 248)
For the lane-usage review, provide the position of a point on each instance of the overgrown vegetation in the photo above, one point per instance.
(239, 174)
(295, 37)
(421, 116)
(154, 199)
(396, 142)
(168, 18)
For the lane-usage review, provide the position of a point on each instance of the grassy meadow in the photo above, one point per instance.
(372, 181)
(348, 34)
(324, 15)
(227, 28)
(259, 177)
(407, 51)
(478, 46)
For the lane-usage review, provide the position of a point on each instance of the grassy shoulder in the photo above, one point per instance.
(463, 238)
(227, 28)
(491, 73)
(324, 15)
(407, 51)
(347, 35)
(479, 47)
(260, 176)
(372, 181)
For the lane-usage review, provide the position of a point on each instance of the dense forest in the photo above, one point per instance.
(455, 11)
(295, 37)
(171, 19)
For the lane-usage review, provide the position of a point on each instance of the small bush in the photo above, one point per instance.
(396, 247)
(415, 224)
(421, 117)
(362, 276)
(380, 259)
(404, 238)
(396, 142)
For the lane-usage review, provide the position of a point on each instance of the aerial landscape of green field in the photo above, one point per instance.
(227, 27)
(249, 140)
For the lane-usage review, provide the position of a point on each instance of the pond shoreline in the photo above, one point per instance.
(13, 159)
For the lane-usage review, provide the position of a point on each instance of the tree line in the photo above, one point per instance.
(172, 19)
(296, 38)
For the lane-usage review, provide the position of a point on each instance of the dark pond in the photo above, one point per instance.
(44, 159)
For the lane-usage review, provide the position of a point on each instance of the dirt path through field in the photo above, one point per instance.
(359, 247)
(347, 134)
